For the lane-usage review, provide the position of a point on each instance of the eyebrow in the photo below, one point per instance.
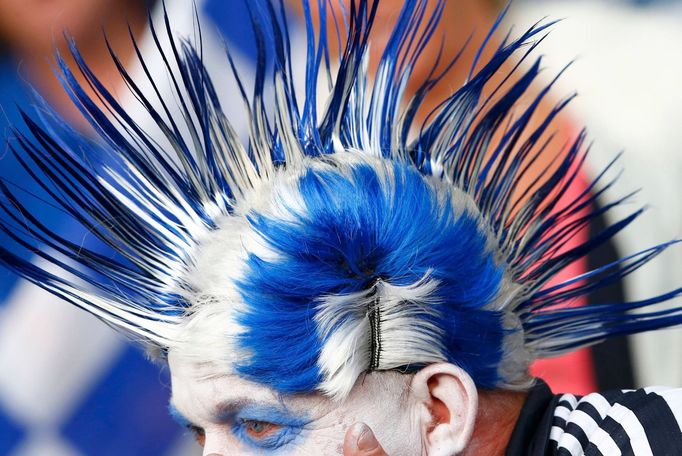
(236, 405)
(248, 409)
(262, 411)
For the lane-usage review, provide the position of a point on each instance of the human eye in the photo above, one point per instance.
(260, 429)
(263, 434)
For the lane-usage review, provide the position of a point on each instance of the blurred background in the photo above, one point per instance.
(69, 386)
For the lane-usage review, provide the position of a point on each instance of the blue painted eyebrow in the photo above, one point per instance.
(247, 410)
(267, 413)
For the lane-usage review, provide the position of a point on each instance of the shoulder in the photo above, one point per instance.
(645, 421)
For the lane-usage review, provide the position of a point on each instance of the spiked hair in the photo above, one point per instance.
(334, 241)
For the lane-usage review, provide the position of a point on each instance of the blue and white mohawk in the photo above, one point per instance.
(336, 241)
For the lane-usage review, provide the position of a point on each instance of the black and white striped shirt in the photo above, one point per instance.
(639, 422)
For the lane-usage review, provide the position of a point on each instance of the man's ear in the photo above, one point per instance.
(448, 402)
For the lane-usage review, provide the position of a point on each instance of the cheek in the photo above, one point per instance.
(391, 424)
(220, 441)
(395, 424)
(322, 445)
(326, 435)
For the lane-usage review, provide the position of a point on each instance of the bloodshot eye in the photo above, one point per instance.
(260, 429)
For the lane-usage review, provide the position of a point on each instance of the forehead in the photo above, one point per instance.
(203, 392)
(215, 402)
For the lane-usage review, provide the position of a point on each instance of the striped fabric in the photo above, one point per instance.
(643, 422)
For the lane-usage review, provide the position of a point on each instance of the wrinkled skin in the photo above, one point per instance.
(233, 416)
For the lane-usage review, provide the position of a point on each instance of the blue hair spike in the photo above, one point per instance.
(354, 236)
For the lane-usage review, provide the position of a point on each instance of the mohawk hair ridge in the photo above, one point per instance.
(355, 237)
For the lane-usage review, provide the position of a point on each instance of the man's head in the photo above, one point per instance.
(325, 269)
(346, 264)
(433, 410)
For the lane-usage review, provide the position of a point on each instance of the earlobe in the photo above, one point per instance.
(448, 401)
